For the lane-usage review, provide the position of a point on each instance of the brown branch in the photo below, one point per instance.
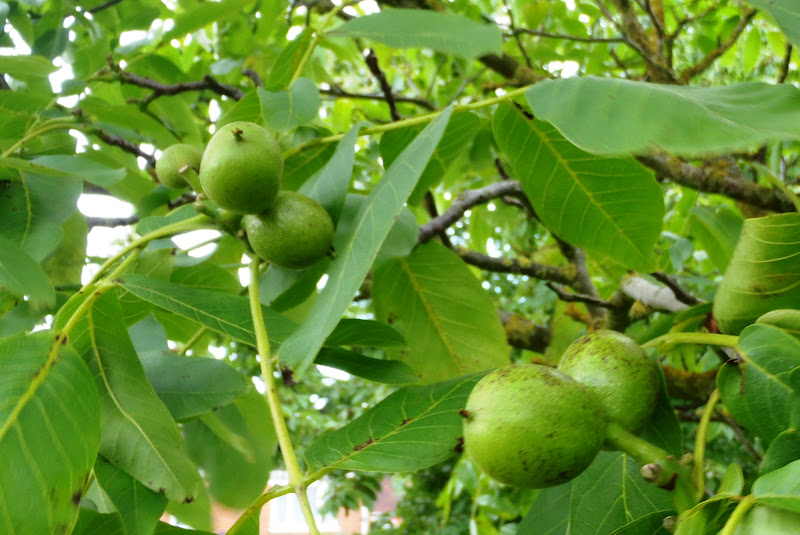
(680, 294)
(519, 266)
(101, 7)
(787, 59)
(712, 56)
(207, 83)
(111, 221)
(669, 40)
(340, 93)
(568, 297)
(711, 180)
(466, 200)
(513, 27)
(125, 145)
(522, 333)
(430, 206)
(691, 386)
(372, 63)
(583, 280)
(569, 37)
(254, 76)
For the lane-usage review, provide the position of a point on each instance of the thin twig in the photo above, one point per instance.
(519, 266)
(124, 144)
(568, 297)
(341, 93)
(569, 37)
(159, 89)
(516, 34)
(372, 63)
(787, 59)
(712, 56)
(101, 7)
(680, 294)
(466, 200)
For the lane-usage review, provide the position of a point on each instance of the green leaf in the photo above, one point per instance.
(549, 512)
(222, 312)
(611, 494)
(33, 209)
(93, 523)
(784, 449)
(21, 275)
(652, 524)
(139, 434)
(166, 529)
(288, 60)
(763, 274)
(416, 28)
(457, 137)
(392, 372)
(299, 167)
(785, 13)
(139, 507)
(604, 115)
(763, 520)
(329, 187)
(611, 206)
(17, 112)
(413, 428)
(192, 386)
(780, 488)
(83, 168)
(236, 478)
(717, 229)
(26, 67)
(284, 110)
(200, 15)
(449, 322)
(65, 266)
(248, 108)
(356, 251)
(49, 434)
(355, 332)
(196, 514)
(758, 392)
(783, 318)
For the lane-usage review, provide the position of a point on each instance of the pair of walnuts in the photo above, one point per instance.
(241, 171)
(534, 426)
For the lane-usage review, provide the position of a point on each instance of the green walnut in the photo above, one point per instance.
(175, 162)
(531, 426)
(293, 233)
(242, 168)
(623, 378)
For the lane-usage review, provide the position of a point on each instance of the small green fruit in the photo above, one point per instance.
(531, 426)
(242, 168)
(175, 162)
(294, 233)
(617, 370)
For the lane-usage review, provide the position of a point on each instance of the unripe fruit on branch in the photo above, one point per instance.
(619, 373)
(531, 426)
(242, 168)
(175, 162)
(294, 233)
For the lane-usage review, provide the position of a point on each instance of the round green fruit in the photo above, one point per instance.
(623, 378)
(531, 426)
(175, 162)
(242, 168)
(293, 233)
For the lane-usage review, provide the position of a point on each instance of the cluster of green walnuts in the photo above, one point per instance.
(240, 171)
(534, 426)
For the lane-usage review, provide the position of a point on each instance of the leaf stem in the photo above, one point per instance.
(693, 338)
(420, 119)
(699, 476)
(738, 515)
(296, 480)
(257, 505)
(194, 223)
(317, 37)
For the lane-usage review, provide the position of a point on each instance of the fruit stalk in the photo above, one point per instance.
(693, 338)
(700, 445)
(296, 480)
(659, 467)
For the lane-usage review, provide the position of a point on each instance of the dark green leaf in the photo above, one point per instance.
(139, 507)
(355, 332)
(449, 322)
(417, 28)
(356, 250)
(785, 13)
(49, 434)
(83, 168)
(758, 392)
(549, 513)
(780, 488)
(26, 67)
(21, 275)
(413, 428)
(718, 230)
(289, 59)
(610, 206)
(93, 523)
(391, 372)
(284, 110)
(603, 115)
(784, 449)
(139, 434)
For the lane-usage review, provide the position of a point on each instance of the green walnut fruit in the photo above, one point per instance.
(531, 426)
(619, 373)
(242, 168)
(175, 162)
(293, 233)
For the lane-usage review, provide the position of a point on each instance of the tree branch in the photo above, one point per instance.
(111, 221)
(712, 56)
(651, 295)
(207, 83)
(519, 266)
(569, 37)
(568, 297)
(101, 7)
(522, 333)
(710, 180)
(125, 145)
(337, 92)
(682, 295)
(372, 63)
(466, 200)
